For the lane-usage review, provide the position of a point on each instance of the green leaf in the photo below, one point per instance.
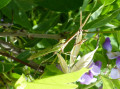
(15, 75)
(46, 24)
(107, 2)
(20, 17)
(102, 39)
(107, 83)
(51, 70)
(107, 9)
(117, 37)
(32, 43)
(43, 43)
(25, 5)
(116, 82)
(58, 82)
(5, 67)
(60, 5)
(24, 55)
(102, 21)
(99, 56)
(85, 3)
(3, 3)
(95, 14)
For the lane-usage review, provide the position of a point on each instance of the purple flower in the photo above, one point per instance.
(113, 55)
(87, 78)
(118, 62)
(107, 45)
(115, 72)
(96, 68)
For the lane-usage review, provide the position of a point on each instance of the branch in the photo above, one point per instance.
(32, 35)
(20, 61)
(100, 32)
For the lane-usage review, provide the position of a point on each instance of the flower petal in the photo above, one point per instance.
(118, 62)
(113, 55)
(86, 79)
(115, 73)
(93, 80)
(107, 44)
(95, 70)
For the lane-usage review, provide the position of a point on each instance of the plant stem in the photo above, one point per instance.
(32, 35)
(101, 32)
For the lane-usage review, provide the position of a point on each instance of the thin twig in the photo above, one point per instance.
(80, 18)
(86, 20)
(32, 35)
(101, 31)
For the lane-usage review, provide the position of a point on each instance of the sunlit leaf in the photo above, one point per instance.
(15, 75)
(21, 82)
(95, 14)
(50, 86)
(107, 83)
(116, 82)
(107, 2)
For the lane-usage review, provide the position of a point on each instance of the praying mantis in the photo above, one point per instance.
(62, 44)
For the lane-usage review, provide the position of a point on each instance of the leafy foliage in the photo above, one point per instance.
(46, 43)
